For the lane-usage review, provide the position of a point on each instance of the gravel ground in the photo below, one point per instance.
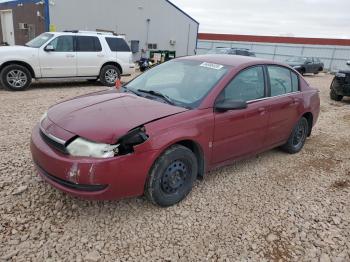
(273, 207)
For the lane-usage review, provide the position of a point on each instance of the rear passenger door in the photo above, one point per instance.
(90, 56)
(284, 104)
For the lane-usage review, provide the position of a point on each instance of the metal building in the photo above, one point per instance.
(147, 24)
(334, 53)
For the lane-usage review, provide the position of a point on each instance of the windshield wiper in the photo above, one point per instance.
(130, 90)
(158, 94)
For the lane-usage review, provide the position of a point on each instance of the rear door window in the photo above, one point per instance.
(88, 44)
(280, 80)
(295, 82)
(117, 44)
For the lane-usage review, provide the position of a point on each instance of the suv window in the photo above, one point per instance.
(63, 43)
(88, 44)
(117, 44)
(247, 85)
(280, 80)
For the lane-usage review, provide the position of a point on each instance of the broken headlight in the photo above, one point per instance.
(83, 148)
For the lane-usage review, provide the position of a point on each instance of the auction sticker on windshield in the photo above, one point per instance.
(212, 66)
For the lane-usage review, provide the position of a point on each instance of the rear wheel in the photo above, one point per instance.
(172, 176)
(109, 75)
(298, 137)
(16, 77)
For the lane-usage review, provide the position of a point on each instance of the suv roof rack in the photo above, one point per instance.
(89, 32)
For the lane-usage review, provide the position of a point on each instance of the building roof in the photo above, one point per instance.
(182, 11)
(274, 39)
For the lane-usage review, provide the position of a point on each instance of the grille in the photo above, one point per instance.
(53, 143)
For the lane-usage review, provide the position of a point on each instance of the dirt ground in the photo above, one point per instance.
(273, 207)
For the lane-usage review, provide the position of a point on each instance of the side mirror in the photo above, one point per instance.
(227, 105)
(49, 48)
(348, 63)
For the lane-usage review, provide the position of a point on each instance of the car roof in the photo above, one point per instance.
(229, 60)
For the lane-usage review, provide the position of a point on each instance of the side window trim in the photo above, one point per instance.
(265, 75)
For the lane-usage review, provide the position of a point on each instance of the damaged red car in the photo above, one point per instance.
(171, 125)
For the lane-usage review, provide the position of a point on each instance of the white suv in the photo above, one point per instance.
(69, 54)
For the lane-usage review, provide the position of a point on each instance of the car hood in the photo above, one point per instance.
(16, 48)
(105, 117)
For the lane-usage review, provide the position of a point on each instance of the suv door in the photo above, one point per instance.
(242, 132)
(284, 104)
(58, 57)
(90, 56)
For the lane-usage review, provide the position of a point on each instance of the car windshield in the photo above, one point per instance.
(40, 40)
(183, 82)
(297, 59)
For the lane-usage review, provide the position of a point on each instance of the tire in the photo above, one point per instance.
(15, 77)
(333, 94)
(297, 138)
(109, 75)
(302, 71)
(172, 176)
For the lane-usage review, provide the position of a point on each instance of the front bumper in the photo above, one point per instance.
(90, 178)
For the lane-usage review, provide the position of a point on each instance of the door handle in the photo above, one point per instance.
(70, 56)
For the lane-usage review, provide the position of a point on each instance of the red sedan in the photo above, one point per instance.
(171, 125)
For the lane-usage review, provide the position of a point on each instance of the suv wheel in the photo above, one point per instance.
(15, 77)
(334, 96)
(109, 74)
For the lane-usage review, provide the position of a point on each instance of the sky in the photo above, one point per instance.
(300, 18)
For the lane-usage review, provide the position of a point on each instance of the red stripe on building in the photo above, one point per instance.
(274, 39)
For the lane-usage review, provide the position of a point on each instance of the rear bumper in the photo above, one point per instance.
(89, 178)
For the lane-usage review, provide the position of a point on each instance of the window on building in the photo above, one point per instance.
(152, 46)
(88, 44)
(117, 44)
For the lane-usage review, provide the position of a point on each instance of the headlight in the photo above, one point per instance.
(295, 67)
(84, 148)
(340, 75)
(43, 117)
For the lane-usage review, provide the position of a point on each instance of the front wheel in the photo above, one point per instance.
(109, 75)
(298, 137)
(172, 176)
(15, 77)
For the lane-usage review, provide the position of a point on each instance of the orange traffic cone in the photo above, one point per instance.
(118, 83)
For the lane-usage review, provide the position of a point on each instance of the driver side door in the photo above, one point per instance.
(61, 61)
(242, 132)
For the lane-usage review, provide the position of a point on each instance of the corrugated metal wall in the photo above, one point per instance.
(334, 57)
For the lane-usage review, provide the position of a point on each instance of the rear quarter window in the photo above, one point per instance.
(117, 44)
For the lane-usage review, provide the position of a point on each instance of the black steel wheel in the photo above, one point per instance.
(172, 176)
(298, 137)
